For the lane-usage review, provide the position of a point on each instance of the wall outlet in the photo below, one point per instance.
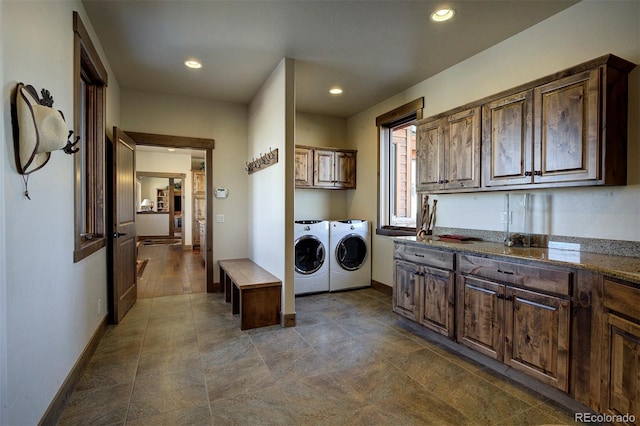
(99, 306)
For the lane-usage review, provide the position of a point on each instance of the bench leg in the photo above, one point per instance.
(259, 307)
(227, 286)
(235, 300)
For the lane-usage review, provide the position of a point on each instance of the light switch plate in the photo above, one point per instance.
(219, 218)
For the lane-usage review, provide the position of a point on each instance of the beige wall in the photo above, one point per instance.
(4, 387)
(51, 303)
(222, 121)
(580, 33)
(270, 191)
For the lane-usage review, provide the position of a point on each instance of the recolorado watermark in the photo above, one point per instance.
(604, 418)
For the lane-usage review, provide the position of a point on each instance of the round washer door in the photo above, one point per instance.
(309, 254)
(351, 252)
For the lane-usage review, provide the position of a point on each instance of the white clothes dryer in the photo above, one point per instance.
(350, 265)
(311, 256)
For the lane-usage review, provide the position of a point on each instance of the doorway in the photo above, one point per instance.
(159, 206)
(206, 145)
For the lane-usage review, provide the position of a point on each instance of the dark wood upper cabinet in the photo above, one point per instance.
(448, 150)
(566, 129)
(325, 168)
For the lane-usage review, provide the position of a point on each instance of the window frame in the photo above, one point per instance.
(89, 98)
(405, 114)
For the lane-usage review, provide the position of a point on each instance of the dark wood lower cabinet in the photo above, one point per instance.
(571, 334)
(620, 373)
(527, 330)
(537, 336)
(424, 288)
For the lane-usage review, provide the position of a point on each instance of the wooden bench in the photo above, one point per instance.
(253, 292)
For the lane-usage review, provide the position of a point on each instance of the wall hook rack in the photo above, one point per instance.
(262, 162)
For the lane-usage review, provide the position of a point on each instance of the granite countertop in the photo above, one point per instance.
(623, 267)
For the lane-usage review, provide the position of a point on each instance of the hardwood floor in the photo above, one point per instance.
(170, 271)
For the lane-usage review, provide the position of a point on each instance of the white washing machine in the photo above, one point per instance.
(311, 256)
(350, 265)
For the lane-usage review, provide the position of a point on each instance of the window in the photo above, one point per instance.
(90, 81)
(397, 198)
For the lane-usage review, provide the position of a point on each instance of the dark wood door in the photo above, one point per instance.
(430, 156)
(480, 325)
(304, 167)
(323, 173)
(406, 289)
(507, 140)
(621, 364)
(566, 129)
(462, 150)
(345, 169)
(124, 225)
(537, 329)
(437, 300)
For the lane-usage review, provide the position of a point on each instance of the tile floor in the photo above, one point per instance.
(184, 360)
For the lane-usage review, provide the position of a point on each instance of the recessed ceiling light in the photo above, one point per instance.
(442, 15)
(193, 64)
(335, 91)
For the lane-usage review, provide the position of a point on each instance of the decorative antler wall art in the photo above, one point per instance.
(262, 162)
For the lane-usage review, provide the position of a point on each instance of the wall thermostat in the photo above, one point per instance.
(221, 192)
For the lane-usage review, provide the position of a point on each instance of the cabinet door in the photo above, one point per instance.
(481, 316)
(462, 150)
(323, 174)
(199, 183)
(621, 363)
(507, 140)
(537, 329)
(304, 167)
(406, 290)
(199, 213)
(566, 129)
(437, 300)
(430, 156)
(344, 169)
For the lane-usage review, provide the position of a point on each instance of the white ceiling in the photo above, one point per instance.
(373, 49)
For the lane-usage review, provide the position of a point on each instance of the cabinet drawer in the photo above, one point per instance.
(622, 298)
(424, 256)
(533, 277)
